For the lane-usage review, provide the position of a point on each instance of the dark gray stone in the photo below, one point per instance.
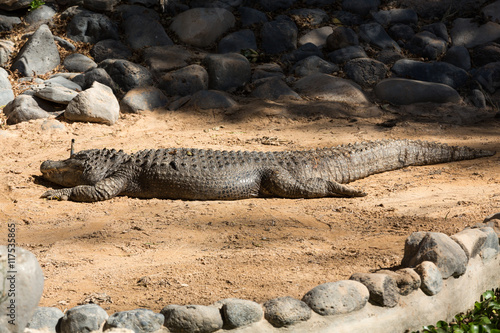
(438, 29)
(330, 88)
(227, 71)
(162, 59)
(317, 36)
(6, 48)
(279, 36)
(64, 43)
(25, 108)
(314, 16)
(406, 279)
(347, 53)
(239, 312)
(492, 12)
(7, 23)
(365, 71)
(139, 320)
(468, 33)
(304, 51)
(77, 62)
(141, 31)
(489, 76)
(273, 89)
(395, 16)
(6, 92)
(430, 275)
(11, 5)
(426, 44)
(286, 311)
(99, 75)
(399, 91)
(91, 28)
(100, 5)
(477, 98)
(56, 93)
(401, 32)
(211, 99)
(265, 71)
(184, 81)
(471, 241)
(39, 54)
(126, 74)
(192, 318)
(314, 64)
(439, 72)
(340, 38)
(127, 11)
(388, 56)
(347, 18)
(458, 56)
(110, 49)
(201, 27)
(97, 104)
(83, 319)
(42, 14)
(59, 79)
(375, 34)
(250, 16)
(361, 7)
(382, 287)
(237, 41)
(438, 248)
(484, 54)
(143, 98)
(335, 298)
(45, 319)
(273, 5)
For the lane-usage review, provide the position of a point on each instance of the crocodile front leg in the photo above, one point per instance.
(103, 190)
(282, 184)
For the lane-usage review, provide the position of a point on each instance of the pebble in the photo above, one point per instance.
(286, 311)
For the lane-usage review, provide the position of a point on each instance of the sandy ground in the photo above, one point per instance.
(127, 253)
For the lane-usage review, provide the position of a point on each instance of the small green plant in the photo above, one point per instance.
(484, 318)
(36, 4)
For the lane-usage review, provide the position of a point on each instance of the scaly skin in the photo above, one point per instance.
(199, 174)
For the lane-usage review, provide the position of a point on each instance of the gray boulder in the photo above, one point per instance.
(201, 27)
(314, 64)
(42, 14)
(345, 54)
(77, 62)
(335, 298)
(237, 41)
(468, 33)
(279, 36)
(239, 312)
(426, 44)
(60, 80)
(439, 72)
(406, 279)
(489, 76)
(192, 318)
(25, 108)
(126, 74)
(97, 104)
(6, 92)
(484, 54)
(382, 287)
(184, 81)
(163, 59)
(39, 54)
(26, 283)
(142, 99)
(316, 36)
(45, 319)
(458, 56)
(11, 5)
(492, 11)
(110, 49)
(286, 311)
(7, 23)
(438, 248)
(366, 72)
(430, 275)
(395, 16)
(471, 241)
(141, 31)
(400, 91)
(314, 16)
(83, 318)
(91, 27)
(375, 34)
(99, 75)
(340, 38)
(139, 320)
(6, 48)
(274, 88)
(56, 93)
(250, 16)
(330, 88)
(227, 71)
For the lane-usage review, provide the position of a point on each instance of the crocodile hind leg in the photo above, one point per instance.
(283, 184)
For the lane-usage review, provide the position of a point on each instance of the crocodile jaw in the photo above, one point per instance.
(67, 173)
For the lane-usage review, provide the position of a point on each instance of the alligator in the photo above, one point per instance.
(205, 174)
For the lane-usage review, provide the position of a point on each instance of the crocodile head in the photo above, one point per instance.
(84, 168)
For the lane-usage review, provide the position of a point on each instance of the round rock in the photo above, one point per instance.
(237, 41)
(279, 36)
(339, 297)
(83, 318)
(285, 311)
(227, 71)
(45, 319)
(110, 49)
(274, 88)
(432, 280)
(126, 74)
(211, 99)
(341, 37)
(139, 320)
(366, 72)
(382, 287)
(142, 99)
(192, 318)
(239, 312)
(77, 62)
(91, 27)
(184, 81)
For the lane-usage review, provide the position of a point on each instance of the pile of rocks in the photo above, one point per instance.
(202, 54)
(434, 264)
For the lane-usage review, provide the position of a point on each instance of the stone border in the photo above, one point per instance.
(439, 277)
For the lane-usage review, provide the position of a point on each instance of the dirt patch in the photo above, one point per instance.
(127, 253)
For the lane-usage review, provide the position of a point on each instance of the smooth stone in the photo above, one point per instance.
(6, 49)
(62, 81)
(399, 91)
(239, 312)
(492, 11)
(7, 23)
(360, 7)
(27, 284)
(192, 318)
(330, 88)
(388, 56)
(273, 5)
(97, 104)
(127, 11)
(316, 36)
(99, 75)
(375, 34)
(395, 16)
(489, 76)
(201, 27)
(163, 59)
(39, 54)
(382, 287)
(471, 241)
(304, 51)
(279, 36)
(56, 94)
(237, 41)
(83, 319)
(227, 71)
(490, 247)
(468, 33)
(439, 29)
(336, 298)
(77, 62)
(406, 279)
(458, 56)
(89, 27)
(314, 64)
(143, 99)
(126, 74)
(366, 72)
(401, 32)
(52, 124)
(184, 81)
(10, 5)
(6, 92)
(110, 49)
(42, 14)
(345, 54)
(430, 275)
(485, 54)
(25, 108)
(426, 44)
(46, 318)
(251, 16)
(477, 98)
(141, 31)
(264, 71)
(274, 88)
(211, 99)
(139, 320)
(286, 311)
(340, 38)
